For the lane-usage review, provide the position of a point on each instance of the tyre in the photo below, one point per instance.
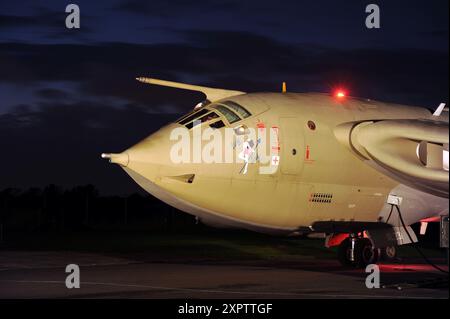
(389, 253)
(365, 254)
(343, 253)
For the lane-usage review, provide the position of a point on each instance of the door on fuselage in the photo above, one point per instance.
(291, 143)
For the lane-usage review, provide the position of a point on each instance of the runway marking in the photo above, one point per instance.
(275, 293)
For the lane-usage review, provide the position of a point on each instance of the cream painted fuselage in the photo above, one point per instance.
(318, 178)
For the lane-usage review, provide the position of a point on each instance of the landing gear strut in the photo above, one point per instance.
(357, 252)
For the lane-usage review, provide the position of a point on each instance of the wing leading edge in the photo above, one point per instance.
(212, 94)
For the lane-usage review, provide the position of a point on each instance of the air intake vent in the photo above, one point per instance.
(321, 198)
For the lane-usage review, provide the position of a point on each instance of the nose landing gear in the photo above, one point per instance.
(357, 252)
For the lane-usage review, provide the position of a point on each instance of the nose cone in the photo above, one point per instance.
(121, 158)
(149, 158)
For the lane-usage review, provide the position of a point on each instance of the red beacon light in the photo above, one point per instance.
(340, 94)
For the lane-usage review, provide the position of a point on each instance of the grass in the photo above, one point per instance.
(168, 246)
(223, 246)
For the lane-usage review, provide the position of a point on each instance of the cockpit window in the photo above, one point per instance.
(191, 117)
(229, 115)
(217, 124)
(237, 108)
(206, 118)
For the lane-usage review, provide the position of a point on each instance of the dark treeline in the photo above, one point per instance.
(82, 207)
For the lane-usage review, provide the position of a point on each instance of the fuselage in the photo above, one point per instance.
(314, 177)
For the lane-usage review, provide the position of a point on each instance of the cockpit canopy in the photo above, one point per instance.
(215, 114)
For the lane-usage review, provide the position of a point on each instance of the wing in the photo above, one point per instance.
(212, 94)
(413, 151)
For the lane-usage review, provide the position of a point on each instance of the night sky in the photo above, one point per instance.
(67, 95)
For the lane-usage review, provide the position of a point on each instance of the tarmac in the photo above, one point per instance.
(31, 274)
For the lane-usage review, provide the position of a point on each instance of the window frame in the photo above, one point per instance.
(216, 122)
(190, 124)
(192, 116)
(238, 109)
(216, 106)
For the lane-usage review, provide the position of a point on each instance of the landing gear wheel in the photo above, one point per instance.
(389, 253)
(344, 253)
(364, 253)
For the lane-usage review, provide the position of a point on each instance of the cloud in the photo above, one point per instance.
(41, 17)
(62, 144)
(438, 33)
(237, 60)
(85, 99)
(45, 23)
(13, 21)
(52, 94)
(162, 8)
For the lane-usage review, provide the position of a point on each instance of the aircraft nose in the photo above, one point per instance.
(149, 158)
(117, 158)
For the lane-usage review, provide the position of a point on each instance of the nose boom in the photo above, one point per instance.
(121, 158)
